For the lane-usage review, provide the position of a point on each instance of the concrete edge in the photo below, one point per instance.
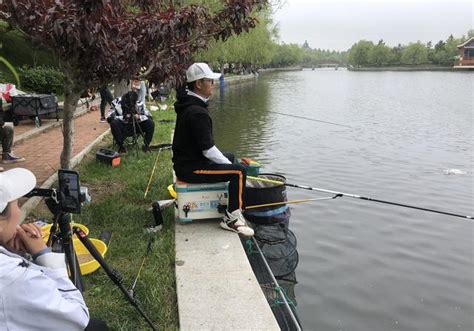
(31, 203)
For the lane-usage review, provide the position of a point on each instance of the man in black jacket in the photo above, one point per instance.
(196, 159)
(128, 117)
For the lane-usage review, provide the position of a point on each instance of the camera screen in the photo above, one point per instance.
(69, 190)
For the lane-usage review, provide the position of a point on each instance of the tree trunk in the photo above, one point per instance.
(71, 98)
(120, 88)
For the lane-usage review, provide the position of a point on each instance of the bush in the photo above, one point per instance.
(3, 77)
(42, 79)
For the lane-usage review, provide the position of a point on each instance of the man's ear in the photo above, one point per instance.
(198, 84)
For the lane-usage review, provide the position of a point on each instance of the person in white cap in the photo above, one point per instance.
(37, 294)
(196, 159)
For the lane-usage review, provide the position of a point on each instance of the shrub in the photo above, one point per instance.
(3, 77)
(42, 79)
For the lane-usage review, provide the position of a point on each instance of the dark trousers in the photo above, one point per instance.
(6, 137)
(235, 174)
(121, 130)
(105, 98)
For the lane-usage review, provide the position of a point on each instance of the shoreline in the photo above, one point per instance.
(417, 68)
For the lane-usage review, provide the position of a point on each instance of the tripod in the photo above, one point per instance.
(135, 125)
(60, 239)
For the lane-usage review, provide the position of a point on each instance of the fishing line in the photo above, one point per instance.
(359, 197)
(309, 119)
(300, 117)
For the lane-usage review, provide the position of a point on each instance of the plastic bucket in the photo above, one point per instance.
(46, 229)
(87, 263)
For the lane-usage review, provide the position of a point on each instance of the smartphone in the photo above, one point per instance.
(69, 191)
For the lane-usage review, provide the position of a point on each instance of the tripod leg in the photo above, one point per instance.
(68, 249)
(60, 240)
(114, 276)
(135, 137)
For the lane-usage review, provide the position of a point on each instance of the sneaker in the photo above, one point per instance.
(236, 222)
(11, 158)
(103, 120)
(122, 150)
(146, 149)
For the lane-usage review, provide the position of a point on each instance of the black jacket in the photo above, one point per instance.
(192, 134)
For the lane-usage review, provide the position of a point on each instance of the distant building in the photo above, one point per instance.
(306, 45)
(466, 54)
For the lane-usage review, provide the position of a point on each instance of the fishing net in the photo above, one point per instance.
(285, 316)
(278, 244)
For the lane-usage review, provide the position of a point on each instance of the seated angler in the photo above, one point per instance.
(128, 117)
(196, 159)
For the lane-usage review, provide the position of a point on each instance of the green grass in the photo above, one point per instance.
(118, 205)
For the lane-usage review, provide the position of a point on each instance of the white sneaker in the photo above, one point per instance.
(236, 222)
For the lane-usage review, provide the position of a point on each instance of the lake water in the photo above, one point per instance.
(363, 265)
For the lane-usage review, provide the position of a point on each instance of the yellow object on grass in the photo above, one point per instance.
(171, 191)
(87, 263)
(46, 229)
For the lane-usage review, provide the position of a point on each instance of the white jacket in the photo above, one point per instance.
(39, 296)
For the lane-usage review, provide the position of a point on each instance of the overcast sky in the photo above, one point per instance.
(338, 24)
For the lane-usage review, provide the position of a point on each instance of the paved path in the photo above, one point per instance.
(41, 147)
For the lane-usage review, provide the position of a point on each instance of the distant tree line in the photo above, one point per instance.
(444, 53)
(259, 48)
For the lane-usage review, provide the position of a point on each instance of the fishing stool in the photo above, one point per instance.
(201, 201)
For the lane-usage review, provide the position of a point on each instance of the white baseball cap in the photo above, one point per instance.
(14, 184)
(199, 71)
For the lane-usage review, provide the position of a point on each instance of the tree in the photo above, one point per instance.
(102, 41)
(253, 48)
(380, 55)
(287, 55)
(414, 53)
(359, 53)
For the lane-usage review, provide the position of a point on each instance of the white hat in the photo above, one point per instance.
(199, 71)
(14, 184)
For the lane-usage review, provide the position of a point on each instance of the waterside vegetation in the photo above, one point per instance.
(118, 205)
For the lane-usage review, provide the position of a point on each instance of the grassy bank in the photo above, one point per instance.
(118, 205)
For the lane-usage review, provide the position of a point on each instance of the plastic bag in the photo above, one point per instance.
(8, 91)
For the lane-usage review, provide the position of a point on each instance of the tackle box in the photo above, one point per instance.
(200, 201)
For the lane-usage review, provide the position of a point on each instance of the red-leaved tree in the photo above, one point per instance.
(99, 41)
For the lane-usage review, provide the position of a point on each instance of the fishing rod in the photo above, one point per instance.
(358, 197)
(147, 251)
(290, 201)
(159, 147)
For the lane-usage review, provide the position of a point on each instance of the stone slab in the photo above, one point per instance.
(216, 287)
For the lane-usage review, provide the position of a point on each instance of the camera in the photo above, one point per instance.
(69, 191)
(67, 198)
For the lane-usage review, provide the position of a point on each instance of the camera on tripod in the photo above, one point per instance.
(67, 198)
